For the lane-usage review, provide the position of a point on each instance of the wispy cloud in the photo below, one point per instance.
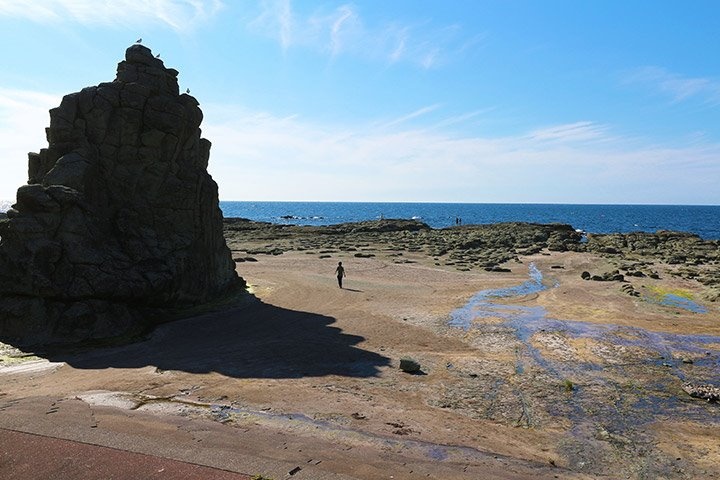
(457, 119)
(430, 59)
(261, 156)
(569, 163)
(398, 50)
(572, 132)
(276, 18)
(417, 113)
(345, 16)
(176, 14)
(343, 30)
(677, 87)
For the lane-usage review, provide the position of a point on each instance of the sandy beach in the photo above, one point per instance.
(301, 379)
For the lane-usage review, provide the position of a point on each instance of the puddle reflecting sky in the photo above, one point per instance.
(677, 301)
(528, 320)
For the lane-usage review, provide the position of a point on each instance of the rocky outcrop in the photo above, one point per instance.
(707, 392)
(119, 220)
(614, 276)
(464, 247)
(671, 247)
(692, 257)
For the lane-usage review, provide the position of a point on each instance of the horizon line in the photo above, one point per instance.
(430, 202)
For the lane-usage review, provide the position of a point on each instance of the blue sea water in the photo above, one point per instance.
(701, 220)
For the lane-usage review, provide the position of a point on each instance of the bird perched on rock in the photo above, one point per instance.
(139, 40)
(187, 91)
(157, 56)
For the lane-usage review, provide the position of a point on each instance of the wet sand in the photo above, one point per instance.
(574, 380)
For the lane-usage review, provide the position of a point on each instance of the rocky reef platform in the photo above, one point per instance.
(486, 247)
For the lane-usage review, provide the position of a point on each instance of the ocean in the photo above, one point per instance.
(701, 220)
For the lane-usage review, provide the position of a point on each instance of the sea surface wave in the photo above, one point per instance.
(703, 220)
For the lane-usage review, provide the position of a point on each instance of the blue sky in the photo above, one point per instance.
(404, 100)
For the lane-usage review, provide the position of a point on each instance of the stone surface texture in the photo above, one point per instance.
(120, 220)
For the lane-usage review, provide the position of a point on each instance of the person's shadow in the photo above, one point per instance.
(255, 341)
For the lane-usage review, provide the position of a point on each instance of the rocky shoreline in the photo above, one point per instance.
(487, 247)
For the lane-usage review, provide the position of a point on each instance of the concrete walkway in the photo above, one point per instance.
(26, 456)
(50, 438)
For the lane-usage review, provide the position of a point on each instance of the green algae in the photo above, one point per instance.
(661, 292)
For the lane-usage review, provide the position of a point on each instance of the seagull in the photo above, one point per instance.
(139, 40)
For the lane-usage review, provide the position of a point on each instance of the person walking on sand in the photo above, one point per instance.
(340, 272)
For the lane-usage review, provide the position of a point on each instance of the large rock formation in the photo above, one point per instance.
(120, 219)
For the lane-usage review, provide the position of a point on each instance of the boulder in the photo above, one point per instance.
(408, 365)
(614, 276)
(708, 392)
(120, 220)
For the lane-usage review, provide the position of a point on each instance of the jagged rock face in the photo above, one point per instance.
(119, 217)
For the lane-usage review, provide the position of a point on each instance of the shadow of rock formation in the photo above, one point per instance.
(119, 218)
(256, 341)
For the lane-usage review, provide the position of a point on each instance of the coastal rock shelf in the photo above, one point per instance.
(119, 219)
(692, 257)
(465, 247)
(487, 246)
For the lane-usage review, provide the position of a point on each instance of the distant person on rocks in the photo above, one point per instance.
(340, 272)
